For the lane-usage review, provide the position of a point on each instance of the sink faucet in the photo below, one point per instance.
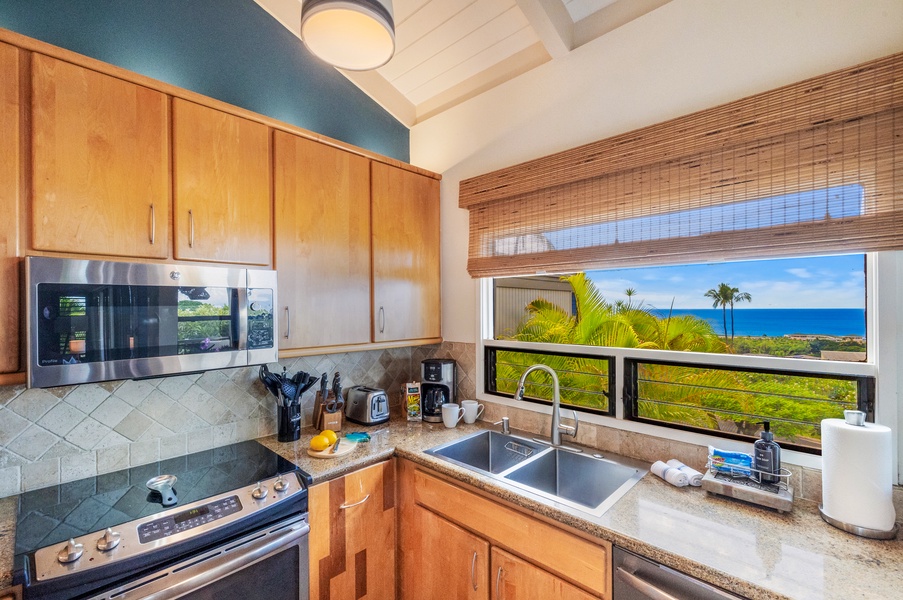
(557, 427)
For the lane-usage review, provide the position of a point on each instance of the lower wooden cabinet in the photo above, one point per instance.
(512, 578)
(448, 561)
(454, 543)
(352, 535)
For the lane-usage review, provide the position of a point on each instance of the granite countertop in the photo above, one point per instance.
(754, 552)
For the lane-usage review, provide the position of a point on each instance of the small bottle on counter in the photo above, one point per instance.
(766, 462)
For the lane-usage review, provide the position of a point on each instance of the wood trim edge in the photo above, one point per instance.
(296, 352)
(26, 43)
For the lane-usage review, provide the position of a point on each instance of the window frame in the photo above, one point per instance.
(884, 305)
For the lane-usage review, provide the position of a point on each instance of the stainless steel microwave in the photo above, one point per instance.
(90, 320)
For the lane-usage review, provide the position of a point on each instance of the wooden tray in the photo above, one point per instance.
(346, 448)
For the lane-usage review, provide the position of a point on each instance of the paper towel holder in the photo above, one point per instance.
(854, 417)
(875, 534)
(857, 418)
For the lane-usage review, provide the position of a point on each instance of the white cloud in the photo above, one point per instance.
(801, 273)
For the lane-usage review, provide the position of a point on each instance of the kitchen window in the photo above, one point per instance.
(807, 311)
(811, 168)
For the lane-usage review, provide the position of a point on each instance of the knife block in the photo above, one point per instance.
(327, 420)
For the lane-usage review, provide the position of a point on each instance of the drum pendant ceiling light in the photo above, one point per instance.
(357, 35)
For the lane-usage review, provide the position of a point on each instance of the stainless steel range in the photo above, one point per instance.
(215, 524)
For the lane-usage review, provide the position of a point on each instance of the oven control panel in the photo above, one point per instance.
(145, 535)
(188, 519)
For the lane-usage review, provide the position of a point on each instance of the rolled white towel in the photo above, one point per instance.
(670, 474)
(694, 476)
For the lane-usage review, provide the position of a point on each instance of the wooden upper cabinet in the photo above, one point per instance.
(10, 201)
(222, 200)
(100, 158)
(322, 243)
(405, 236)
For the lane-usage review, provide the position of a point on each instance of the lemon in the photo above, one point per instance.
(319, 442)
(330, 435)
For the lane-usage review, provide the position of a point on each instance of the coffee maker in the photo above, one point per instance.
(438, 387)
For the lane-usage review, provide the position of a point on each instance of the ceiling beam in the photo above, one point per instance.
(385, 94)
(611, 17)
(552, 23)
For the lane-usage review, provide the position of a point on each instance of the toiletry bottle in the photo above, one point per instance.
(766, 457)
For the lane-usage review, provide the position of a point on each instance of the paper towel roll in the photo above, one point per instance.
(857, 475)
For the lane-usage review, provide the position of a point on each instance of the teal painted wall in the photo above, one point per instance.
(231, 50)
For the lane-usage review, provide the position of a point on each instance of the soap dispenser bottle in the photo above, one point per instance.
(766, 457)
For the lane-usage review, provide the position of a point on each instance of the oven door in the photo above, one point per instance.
(270, 563)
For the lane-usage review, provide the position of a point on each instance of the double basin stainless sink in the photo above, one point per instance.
(586, 483)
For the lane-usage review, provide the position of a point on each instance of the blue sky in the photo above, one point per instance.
(819, 282)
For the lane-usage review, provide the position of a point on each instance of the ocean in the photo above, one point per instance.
(776, 322)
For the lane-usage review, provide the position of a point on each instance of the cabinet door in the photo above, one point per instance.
(222, 200)
(322, 243)
(516, 579)
(352, 535)
(10, 202)
(100, 158)
(453, 563)
(405, 255)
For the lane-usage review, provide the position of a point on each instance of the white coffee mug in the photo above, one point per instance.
(451, 414)
(472, 410)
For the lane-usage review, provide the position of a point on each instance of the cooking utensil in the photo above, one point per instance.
(270, 380)
(335, 446)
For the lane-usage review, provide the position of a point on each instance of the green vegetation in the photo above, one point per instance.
(788, 347)
(709, 398)
(201, 324)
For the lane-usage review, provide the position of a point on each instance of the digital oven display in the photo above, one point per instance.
(190, 514)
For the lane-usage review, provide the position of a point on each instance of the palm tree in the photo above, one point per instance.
(722, 296)
(725, 295)
(599, 322)
(738, 296)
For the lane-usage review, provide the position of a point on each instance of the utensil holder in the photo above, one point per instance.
(327, 420)
(289, 421)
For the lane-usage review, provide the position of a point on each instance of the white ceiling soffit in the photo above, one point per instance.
(448, 51)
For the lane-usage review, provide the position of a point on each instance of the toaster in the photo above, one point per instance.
(367, 405)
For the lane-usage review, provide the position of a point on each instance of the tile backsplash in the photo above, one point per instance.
(67, 433)
(49, 436)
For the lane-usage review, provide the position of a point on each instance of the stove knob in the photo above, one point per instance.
(260, 492)
(71, 552)
(108, 541)
(281, 485)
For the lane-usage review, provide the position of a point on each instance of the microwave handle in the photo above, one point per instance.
(243, 316)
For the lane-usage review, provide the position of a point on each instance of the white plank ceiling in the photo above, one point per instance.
(450, 50)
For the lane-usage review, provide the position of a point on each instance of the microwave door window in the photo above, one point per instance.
(84, 323)
(207, 319)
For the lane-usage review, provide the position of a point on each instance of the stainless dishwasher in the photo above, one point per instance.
(637, 578)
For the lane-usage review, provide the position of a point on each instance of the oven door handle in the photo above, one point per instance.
(205, 572)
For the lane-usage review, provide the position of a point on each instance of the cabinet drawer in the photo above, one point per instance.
(573, 558)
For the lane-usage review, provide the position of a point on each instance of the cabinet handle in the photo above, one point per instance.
(498, 584)
(190, 229)
(153, 225)
(382, 319)
(288, 323)
(473, 571)
(358, 503)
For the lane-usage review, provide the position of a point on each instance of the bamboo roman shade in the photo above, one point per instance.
(810, 168)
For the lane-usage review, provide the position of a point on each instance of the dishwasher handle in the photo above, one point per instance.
(643, 586)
